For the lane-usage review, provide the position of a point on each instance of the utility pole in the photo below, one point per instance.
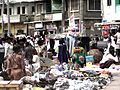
(81, 17)
(2, 16)
(8, 13)
(63, 16)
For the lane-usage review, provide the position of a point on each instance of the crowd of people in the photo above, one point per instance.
(18, 53)
(110, 51)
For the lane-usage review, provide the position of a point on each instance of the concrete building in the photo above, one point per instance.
(111, 10)
(91, 15)
(30, 16)
(19, 12)
(88, 11)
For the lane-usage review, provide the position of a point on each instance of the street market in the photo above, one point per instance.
(55, 64)
(59, 45)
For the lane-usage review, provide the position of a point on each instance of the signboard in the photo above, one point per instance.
(72, 22)
(13, 18)
(48, 16)
(57, 17)
(39, 25)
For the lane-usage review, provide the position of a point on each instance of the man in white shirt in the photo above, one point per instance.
(8, 45)
(117, 35)
(108, 59)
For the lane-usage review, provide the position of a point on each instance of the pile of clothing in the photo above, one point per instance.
(59, 78)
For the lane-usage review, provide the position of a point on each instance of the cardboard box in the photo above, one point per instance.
(11, 85)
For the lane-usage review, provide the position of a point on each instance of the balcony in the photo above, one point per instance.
(92, 15)
(32, 18)
(14, 18)
(49, 17)
(39, 17)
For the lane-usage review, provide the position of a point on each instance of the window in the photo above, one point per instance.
(56, 6)
(48, 6)
(0, 12)
(23, 10)
(5, 11)
(39, 8)
(33, 9)
(74, 5)
(117, 2)
(94, 5)
(108, 2)
(18, 10)
(20, 31)
(10, 11)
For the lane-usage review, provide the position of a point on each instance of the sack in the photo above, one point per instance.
(102, 44)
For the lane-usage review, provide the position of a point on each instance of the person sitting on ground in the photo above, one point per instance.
(96, 53)
(109, 59)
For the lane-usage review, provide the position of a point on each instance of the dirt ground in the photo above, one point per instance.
(115, 84)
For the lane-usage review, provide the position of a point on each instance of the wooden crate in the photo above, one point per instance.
(11, 85)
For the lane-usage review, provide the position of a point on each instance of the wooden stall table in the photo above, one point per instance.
(11, 85)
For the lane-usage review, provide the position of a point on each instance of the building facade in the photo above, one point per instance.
(111, 10)
(51, 15)
(19, 12)
(27, 16)
(91, 15)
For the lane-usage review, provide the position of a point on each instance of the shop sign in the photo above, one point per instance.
(13, 18)
(72, 22)
(57, 17)
(39, 25)
(51, 27)
(48, 17)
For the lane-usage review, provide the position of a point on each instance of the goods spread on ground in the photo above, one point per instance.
(63, 77)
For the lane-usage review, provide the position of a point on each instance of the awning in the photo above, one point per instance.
(109, 23)
(39, 29)
(33, 22)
